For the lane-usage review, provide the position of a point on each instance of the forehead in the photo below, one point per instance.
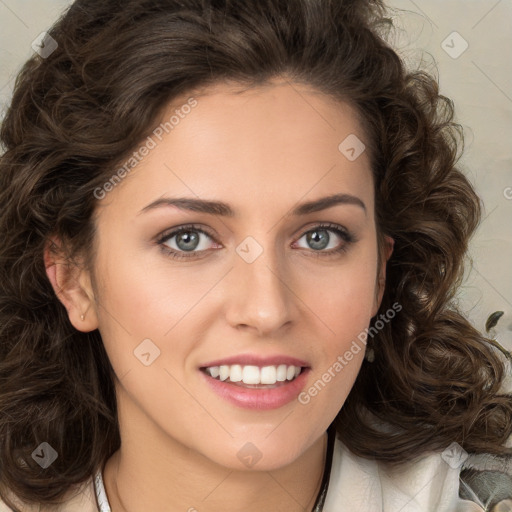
(265, 146)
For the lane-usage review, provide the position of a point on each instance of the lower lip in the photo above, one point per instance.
(258, 398)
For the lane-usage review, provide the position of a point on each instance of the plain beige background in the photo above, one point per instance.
(468, 45)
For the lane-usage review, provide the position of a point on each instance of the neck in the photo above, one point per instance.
(154, 472)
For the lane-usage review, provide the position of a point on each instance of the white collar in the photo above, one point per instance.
(101, 495)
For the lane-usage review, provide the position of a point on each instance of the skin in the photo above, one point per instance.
(262, 151)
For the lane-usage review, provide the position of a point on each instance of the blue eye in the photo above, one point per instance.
(319, 239)
(190, 240)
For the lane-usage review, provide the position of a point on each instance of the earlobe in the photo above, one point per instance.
(72, 286)
(381, 280)
(390, 244)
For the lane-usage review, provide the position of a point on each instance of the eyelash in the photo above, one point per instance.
(180, 255)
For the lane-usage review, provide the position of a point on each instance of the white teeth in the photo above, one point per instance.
(281, 373)
(235, 373)
(251, 374)
(223, 372)
(268, 375)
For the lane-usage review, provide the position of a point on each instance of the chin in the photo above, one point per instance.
(257, 454)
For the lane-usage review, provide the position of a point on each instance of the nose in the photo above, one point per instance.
(260, 294)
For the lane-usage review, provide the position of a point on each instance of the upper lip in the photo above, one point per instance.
(256, 360)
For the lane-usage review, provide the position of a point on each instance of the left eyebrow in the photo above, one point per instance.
(327, 202)
(224, 210)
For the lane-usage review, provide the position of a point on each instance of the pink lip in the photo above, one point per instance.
(258, 398)
(255, 360)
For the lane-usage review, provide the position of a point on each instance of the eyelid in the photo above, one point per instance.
(169, 233)
(312, 226)
(172, 232)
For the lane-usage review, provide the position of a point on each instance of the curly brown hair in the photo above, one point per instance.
(78, 113)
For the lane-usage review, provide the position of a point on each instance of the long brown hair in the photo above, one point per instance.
(79, 112)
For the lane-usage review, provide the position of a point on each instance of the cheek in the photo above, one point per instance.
(344, 304)
(138, 308)
(147, 308)
(143, 297)
(344, 296)
(346, 310)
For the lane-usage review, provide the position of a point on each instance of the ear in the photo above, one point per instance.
(72, 285)
(381, 278)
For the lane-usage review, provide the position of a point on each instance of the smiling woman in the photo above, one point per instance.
(232, 233)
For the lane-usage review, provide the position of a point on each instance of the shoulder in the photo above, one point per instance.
(433, 482)
(79, 499)
(487, 480)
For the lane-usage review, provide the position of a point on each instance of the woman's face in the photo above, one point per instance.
(256, 290)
